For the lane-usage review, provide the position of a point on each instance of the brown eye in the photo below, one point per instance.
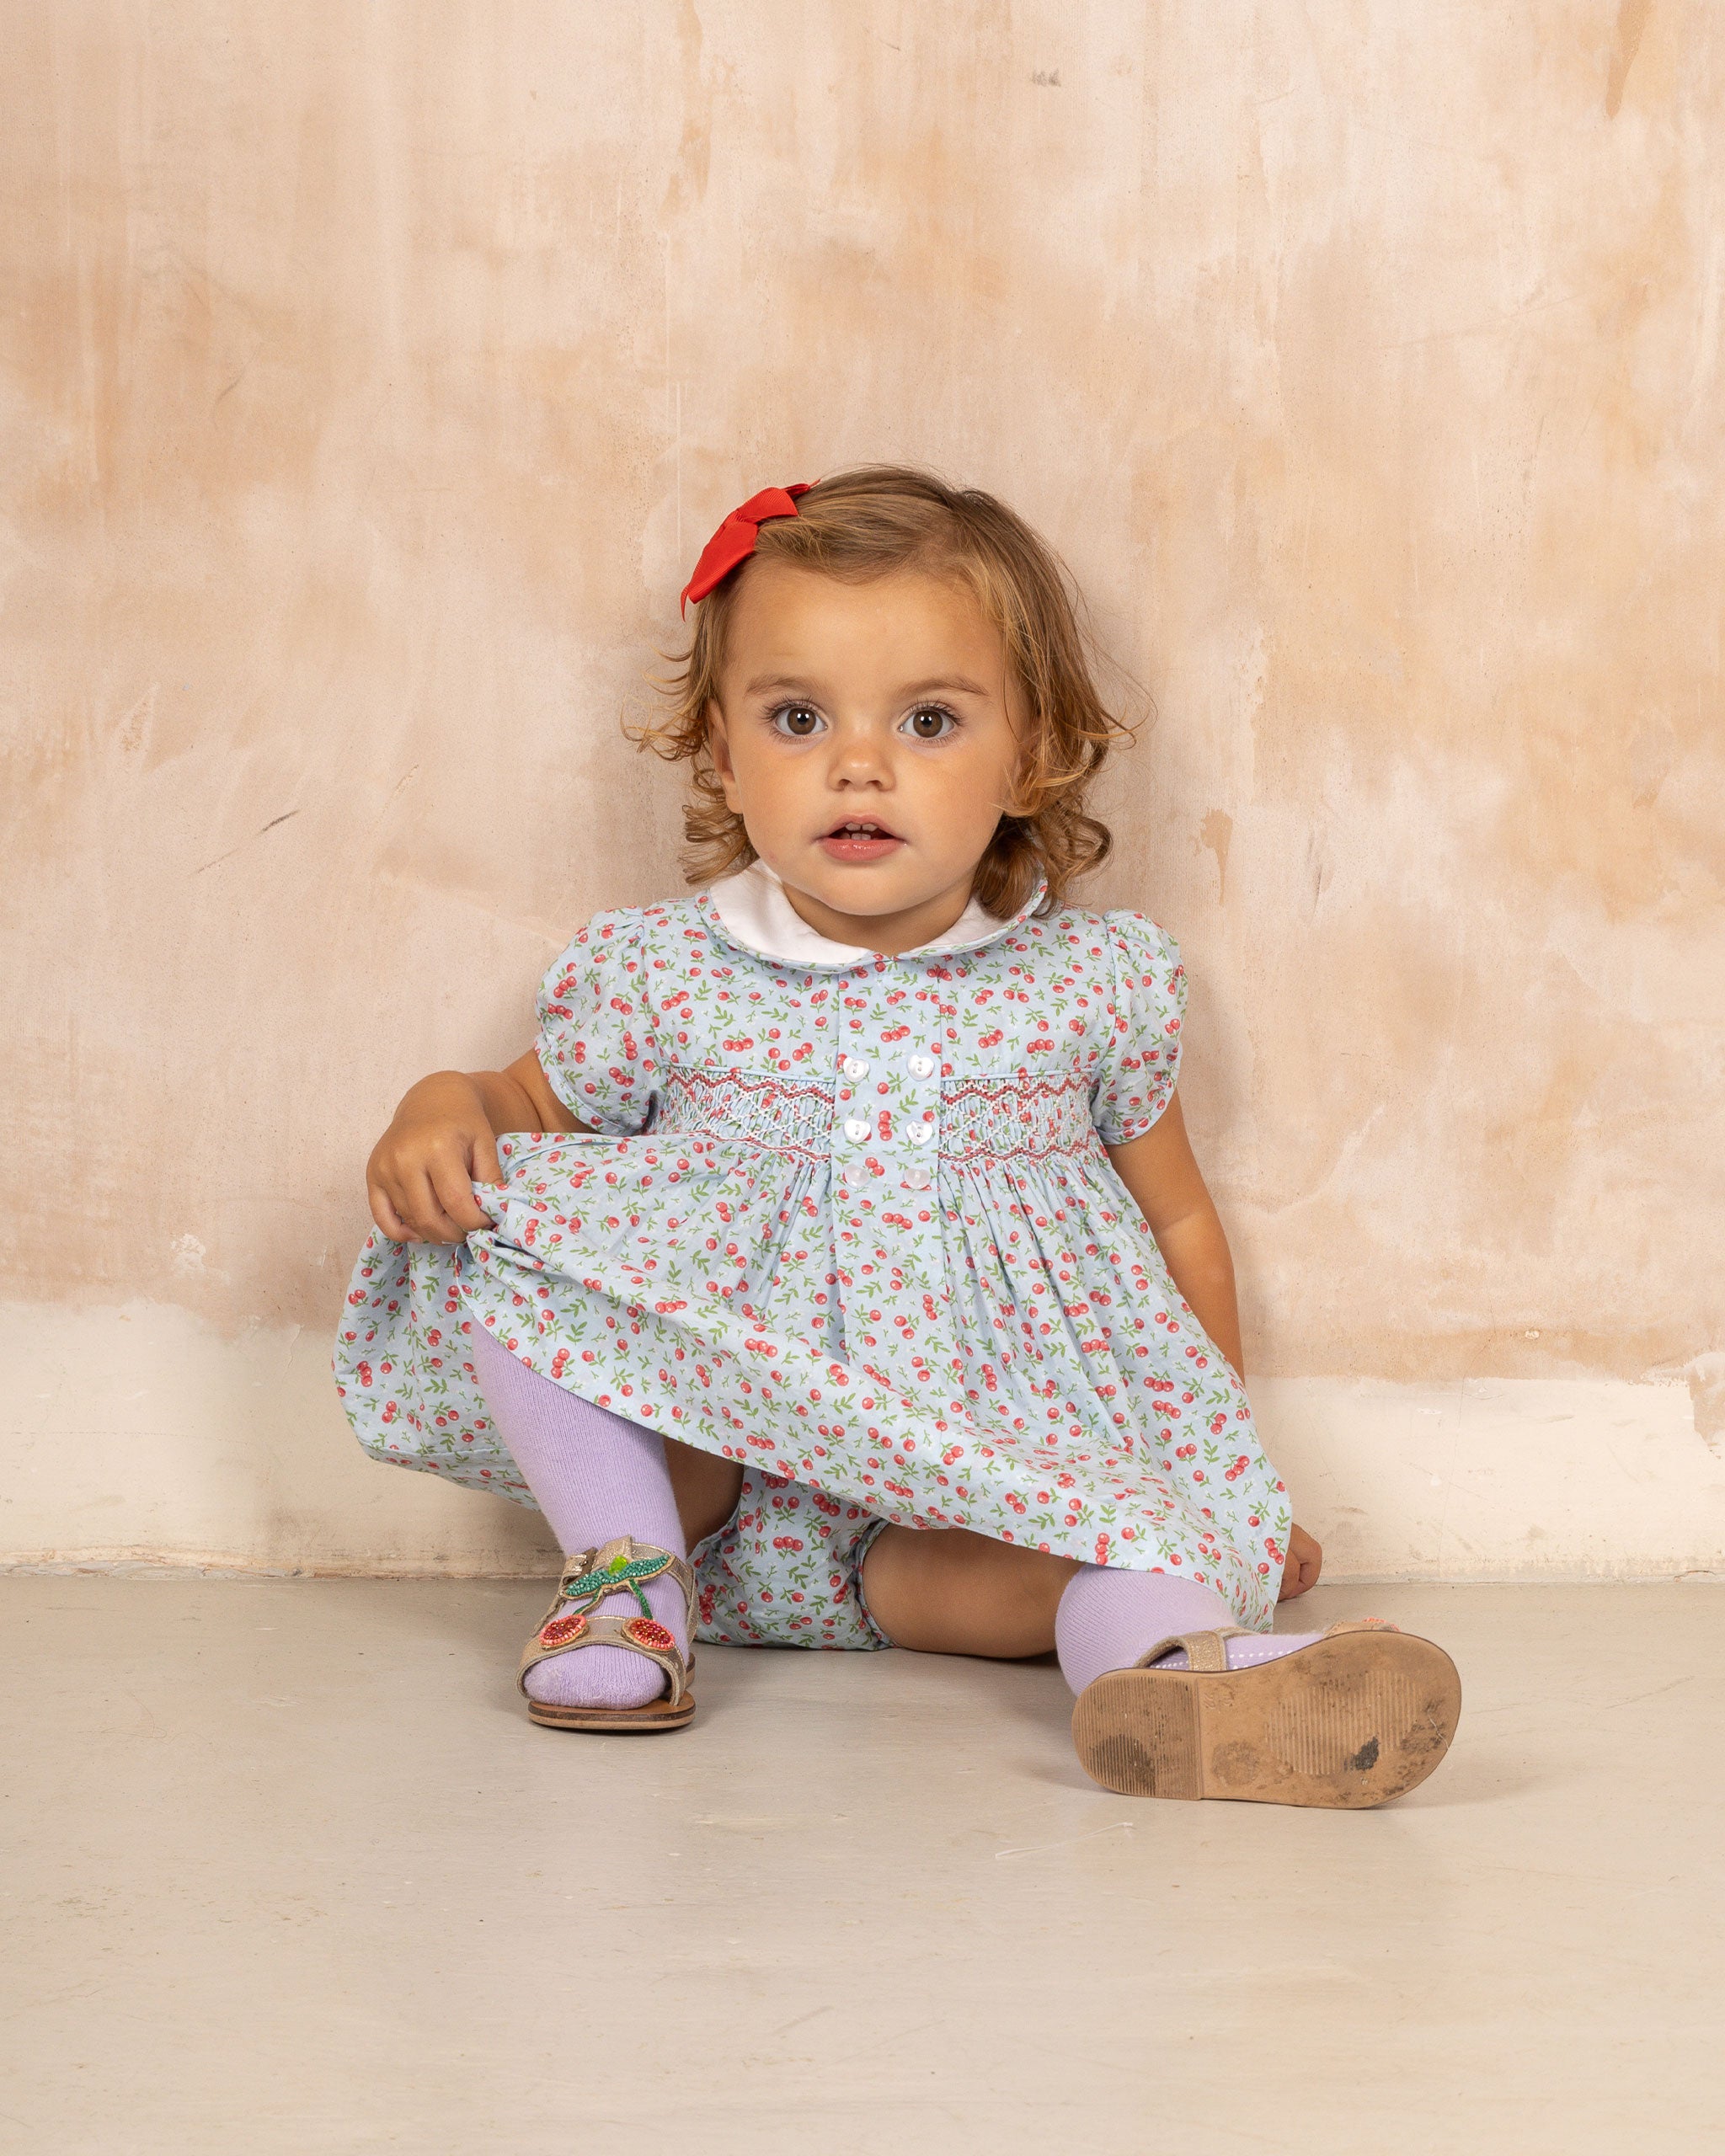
(930, 723)
(799, 721)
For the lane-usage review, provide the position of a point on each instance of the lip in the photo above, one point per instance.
(838, 846)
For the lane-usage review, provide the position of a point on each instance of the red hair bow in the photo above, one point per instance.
(734, 542)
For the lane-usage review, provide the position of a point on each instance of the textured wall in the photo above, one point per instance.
(369, 376)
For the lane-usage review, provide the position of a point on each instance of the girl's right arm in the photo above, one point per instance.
(443, 1140)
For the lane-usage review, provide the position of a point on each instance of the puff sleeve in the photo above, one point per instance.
(1139, 1063)
(595, 1043)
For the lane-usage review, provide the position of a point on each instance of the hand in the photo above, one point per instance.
(1306, 1561)
(421, 1175)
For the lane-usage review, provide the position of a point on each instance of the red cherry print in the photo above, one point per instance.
(1033, 1365)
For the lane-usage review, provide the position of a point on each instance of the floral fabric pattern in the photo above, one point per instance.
(852, 1224)
(786, 1570)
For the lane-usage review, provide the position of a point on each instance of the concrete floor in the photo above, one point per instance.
(285, 1869)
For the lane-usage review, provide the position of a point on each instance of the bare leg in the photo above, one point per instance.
(947, 1590)
(706, 1488)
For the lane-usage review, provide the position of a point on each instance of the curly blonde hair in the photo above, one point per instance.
(867, 522)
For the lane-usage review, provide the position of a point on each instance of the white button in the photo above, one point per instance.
(856, 1128)
(855, 1173)
(922, 1067)
(855, 1067)
(918, 1177)
(919, 1134)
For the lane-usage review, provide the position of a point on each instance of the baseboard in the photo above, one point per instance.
(143, 1440)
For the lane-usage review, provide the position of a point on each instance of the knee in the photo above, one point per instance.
(949, 1590)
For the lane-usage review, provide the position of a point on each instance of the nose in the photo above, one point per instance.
(859, 759)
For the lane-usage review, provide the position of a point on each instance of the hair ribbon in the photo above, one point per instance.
(734, 542)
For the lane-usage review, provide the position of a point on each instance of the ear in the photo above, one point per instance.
(719, 747)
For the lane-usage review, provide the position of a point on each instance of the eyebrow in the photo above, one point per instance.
(793, 684)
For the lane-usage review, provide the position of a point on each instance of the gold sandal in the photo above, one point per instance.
(621, 1566)
(1360, 1715)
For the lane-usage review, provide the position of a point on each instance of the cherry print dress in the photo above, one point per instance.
(849, 1220)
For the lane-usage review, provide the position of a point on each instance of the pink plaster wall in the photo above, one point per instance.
(369, 376)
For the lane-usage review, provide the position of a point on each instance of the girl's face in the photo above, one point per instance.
(868, 736)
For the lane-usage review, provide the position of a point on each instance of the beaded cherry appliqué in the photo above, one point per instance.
(648, 1632)
(593, 1587)
(559, 1631)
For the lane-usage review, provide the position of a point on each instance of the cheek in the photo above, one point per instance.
(764, 783)
(971, 790)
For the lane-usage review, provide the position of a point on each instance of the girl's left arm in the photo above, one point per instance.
(1166, 1187)
(1159, 1171)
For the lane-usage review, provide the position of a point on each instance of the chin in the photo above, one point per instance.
(862, 891)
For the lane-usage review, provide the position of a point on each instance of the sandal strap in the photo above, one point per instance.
(621, 1566)
(643, 1635)
(1205, 1652)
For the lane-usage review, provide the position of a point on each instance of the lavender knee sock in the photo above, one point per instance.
(1108, 1618)
(595, 1476)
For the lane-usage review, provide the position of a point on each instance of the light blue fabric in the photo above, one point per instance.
(852, 1224)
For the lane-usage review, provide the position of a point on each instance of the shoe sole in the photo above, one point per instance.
(1345, 1723)
(615, 1722)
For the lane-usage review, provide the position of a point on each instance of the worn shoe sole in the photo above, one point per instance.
(1346, 1722)
(615, 1722)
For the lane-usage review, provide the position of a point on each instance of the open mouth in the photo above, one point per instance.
(859, 838)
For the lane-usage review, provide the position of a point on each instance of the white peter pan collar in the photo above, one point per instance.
(754, 911)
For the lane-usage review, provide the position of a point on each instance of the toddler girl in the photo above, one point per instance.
(835, 1271)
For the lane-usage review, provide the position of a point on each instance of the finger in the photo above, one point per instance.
(487, 1167)
(454, 1190)
(389, 1221)
(1294, 1580)
(424, 1210)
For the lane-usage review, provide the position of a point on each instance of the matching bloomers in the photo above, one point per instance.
(848, 1220)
